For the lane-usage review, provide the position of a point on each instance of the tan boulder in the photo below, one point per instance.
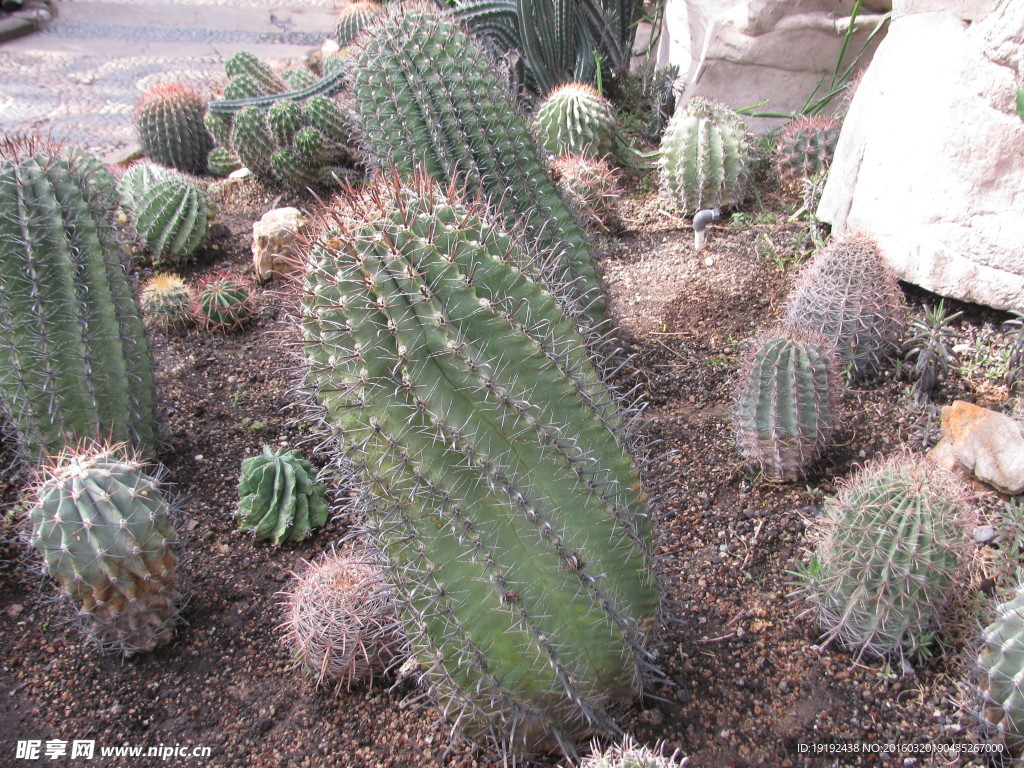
(986, 444)
(276, 242)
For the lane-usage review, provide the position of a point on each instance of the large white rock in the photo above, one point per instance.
(931, 158)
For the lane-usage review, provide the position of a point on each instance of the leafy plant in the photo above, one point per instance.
(930, 348)
(1015, 355)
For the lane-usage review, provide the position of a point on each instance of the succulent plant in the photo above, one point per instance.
(341, 620)
(223, 162)
(705, 157)
(297, 79)
(930, 347)
(171, 216)
(889, 556)
(589, 185)
(248, 65)
(353, 18)
(574, 119)
(223, 304)
(629, 754)
(787, 402)
(104, 529)
(496, 467)
(74, 361)
(169, 120)
(137, 179)
(1002, 664)
(166, 301)
(849, 295)
(804, 150)
(279, 498)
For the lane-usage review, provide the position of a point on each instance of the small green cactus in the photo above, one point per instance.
(574, 119)
(629, 754)
(353, 18)
(279, 498)
(169, 120)
(166, 301)
(1002, 663)
(589, 186)
(223, 162)
(172, 217)
(804, 150)
(258, 72)
(223, 304)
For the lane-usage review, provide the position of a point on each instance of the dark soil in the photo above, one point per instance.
(749, 686)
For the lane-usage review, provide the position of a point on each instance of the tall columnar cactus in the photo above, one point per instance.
(353, 18)
(804, 149)
(786, 402)
(104, 529)
(279, 497)
(889, 556)
(74, 362)
(1002, 665)
(705, 157)
(574, 119)
(169, 120)
(849, 295)
(500, 488)
(427, 97)
(170, 212)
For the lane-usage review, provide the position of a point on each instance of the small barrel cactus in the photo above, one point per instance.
(1002, 665)
(786, 402)
(589, 186)
(223, 304)
(629, 754)
(166, 301)
(104, 529)
(849, 295)
(574, 119)
(804, 149)
(248, 65)
(279, 498)
(169, 119)
(136, 180)
(341, 620)
(889, 556)
(705, 157)
(223, 162)
(172, 217)
(352, 18)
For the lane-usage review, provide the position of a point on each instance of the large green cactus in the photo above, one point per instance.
(104, 529)
(500, 487)
(1002, 664)
(279, 498)
(426, 97)
(74, 362)
(169, 120)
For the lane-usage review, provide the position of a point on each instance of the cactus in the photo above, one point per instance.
(786, 402)
(244, 64)
(166, 302)
(172, 216)
(74, 362)
(589, 185)
(104, 529)
(169, 120)
(353, 18)
(889, 556)
(705, 158)
(341, 620)
(223, 162)
(224, 304)
(629, 754)
(1002, 663)
(279, 499)
(426, 97)
(805, 149)
(499, 482)
(252, 140)
(851, 297)
(297, 79)
(574, 119)
(285, 119)
(136, 180)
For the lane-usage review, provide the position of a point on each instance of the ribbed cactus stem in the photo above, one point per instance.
(575, 119)
(169, 119)
(1002, 685)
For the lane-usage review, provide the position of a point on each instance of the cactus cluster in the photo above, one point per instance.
(497, 472)
(427, 98)
(849, 295)
(341, 620)
(105, 531)
(589, 185)
(787, 402)
(353, 18)
(169, 120)
(278, 496)
(166, 301)
(889, 556)
(74, 361)
(1002, 666)
(629, 754)
(804, 150)
(574, 119)
(705, 158)
(223, 304)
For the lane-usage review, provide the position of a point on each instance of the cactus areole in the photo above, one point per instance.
(501, 493)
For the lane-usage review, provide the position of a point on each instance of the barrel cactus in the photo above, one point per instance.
(353, 18)
(223, 304)
(787, 402)
(496, 468)
(166, 301)
(171, 213)
(74, 361)
(629, 754)
(849, 295)
(804, 150)
(574, 119)
(105, 531)
(169, 120)
(279, 498)
(590, 187)
(705, 158)
(1002, 665)
(262, 75)
(889, 557)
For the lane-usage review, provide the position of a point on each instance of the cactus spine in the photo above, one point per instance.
(104, 529)
(171, 213)
(589, 185)
(169, 119)
(353, 18)
(224, 304)
(166, 302)
(279, 499)
(574, 119)
(74, 361)
(1002, 663)
(805, 149)
(499, 481)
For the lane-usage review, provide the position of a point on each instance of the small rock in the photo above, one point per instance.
(275, 242)
(652, 716)
(985, 443)
(983, 534)
(241, 173)
(709, 262)
(785, 687)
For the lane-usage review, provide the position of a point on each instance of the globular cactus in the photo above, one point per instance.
(172, 216)
(298, 79)
(705, 158)
(136, 180)
(629, 754)
(341, 620)
(804, 150)
(252, 140)
(258, 72)
(169, 120)
(1002, 665)
(889, 557)
(353, 18)
(105, 531)
(223, 162)
(279, 498)
(574, 119)
(74, 361)
(223, 304)
(499, 484)
(166, 301)
(786, 403)
(590, 187)
(426, 97)
(849, 295)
